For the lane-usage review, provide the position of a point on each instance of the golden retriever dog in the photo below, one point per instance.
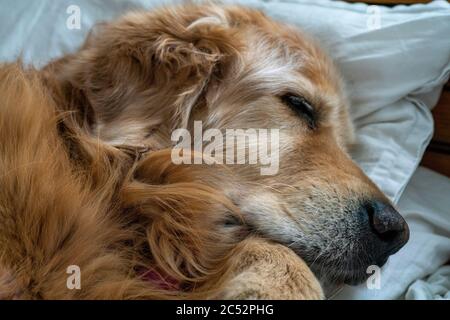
(87, 179)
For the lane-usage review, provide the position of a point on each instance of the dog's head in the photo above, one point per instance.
(233, 68)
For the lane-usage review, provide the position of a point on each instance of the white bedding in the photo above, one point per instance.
(394, 70)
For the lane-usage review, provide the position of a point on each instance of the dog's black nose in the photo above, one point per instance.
(390, 229)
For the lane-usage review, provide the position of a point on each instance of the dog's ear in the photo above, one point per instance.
(149, 68)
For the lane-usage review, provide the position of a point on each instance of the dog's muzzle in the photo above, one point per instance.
(373, 232)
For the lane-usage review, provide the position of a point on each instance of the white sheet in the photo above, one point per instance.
(434, 287)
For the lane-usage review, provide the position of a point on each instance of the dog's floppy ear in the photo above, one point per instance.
(187, 56)
(149, 68)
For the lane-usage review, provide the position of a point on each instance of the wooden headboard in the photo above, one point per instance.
(437, 155)
(391, 2)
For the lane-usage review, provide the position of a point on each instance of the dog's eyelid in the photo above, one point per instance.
(302, 107)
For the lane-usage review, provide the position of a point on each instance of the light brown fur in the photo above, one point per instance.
(86, 177)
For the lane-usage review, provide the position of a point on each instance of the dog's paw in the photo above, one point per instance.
(270, 271)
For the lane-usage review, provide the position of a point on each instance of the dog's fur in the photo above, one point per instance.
(86, 176)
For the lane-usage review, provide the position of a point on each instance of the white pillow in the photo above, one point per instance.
(394, 60)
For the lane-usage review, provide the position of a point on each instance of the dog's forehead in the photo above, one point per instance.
(282, 60)
(295, 54)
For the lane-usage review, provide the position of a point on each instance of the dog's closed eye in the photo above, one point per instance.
(302, 107)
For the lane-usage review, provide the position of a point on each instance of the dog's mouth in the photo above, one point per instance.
(336, 267)
(350, 250)
(357, 268)
(337, 272)
(339, 252)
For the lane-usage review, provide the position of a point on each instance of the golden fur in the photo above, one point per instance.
(86, 177)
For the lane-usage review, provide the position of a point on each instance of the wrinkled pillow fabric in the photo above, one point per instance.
(435, 287)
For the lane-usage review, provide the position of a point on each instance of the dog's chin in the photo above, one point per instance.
(333, 278)
(333, 283)
(351, 272)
